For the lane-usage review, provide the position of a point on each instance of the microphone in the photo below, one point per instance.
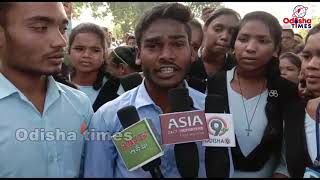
(214, 104)
(128, 115)
(186, 154)
(216, 158)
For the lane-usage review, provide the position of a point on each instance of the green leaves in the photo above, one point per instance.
(126, 14)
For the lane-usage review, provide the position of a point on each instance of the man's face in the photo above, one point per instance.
(165, 54)
(287, 42)
(35, 38)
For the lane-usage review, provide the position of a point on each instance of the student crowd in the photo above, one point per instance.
(54, 78)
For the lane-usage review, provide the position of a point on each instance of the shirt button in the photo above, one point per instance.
(50, 157)
(53, 157)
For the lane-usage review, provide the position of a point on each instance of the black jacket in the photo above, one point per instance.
(198, 76)
(109, 90)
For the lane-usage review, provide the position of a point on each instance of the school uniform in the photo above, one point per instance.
(47, 144)
(257, 155)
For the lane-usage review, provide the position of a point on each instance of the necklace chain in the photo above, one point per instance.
(245, 109)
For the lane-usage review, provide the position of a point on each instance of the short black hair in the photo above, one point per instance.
(88, 28)
(194, 22)
(314, 30)
(293, 58)
(220, 12)
(289, 30)
(4, 9)
(175, 11)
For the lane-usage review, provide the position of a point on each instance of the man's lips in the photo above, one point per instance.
(167, 71)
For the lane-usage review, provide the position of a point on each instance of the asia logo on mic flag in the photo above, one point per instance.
(137, 145)
(183, 127)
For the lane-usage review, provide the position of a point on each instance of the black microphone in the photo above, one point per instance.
(215, 103)
(216, 158)
(128, 115)
(186, 154)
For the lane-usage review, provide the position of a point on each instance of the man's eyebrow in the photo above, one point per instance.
(152, 39)
(305, 52)
(179, 36)
(46, 19)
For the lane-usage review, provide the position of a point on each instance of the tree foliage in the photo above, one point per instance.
(198, 6)
(126, 14)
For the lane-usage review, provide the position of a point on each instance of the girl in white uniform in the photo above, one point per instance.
(257, 97)
(86, 53)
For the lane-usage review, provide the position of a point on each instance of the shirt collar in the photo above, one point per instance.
(53, 85)
(143, 98)
(7, 88)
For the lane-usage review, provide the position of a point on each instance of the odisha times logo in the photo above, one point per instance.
(298, 20)
(217, 126)
(299, 11)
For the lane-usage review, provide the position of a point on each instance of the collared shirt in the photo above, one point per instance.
(102, 158)
(42, 145)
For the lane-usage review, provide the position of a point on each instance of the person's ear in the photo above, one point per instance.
(122, 69)
(193, 53)
(138, 60)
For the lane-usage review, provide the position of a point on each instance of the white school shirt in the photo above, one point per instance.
(258, 125)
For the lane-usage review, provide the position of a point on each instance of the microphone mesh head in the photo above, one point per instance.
(179, 100)
(214, 104)
(128, 116)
